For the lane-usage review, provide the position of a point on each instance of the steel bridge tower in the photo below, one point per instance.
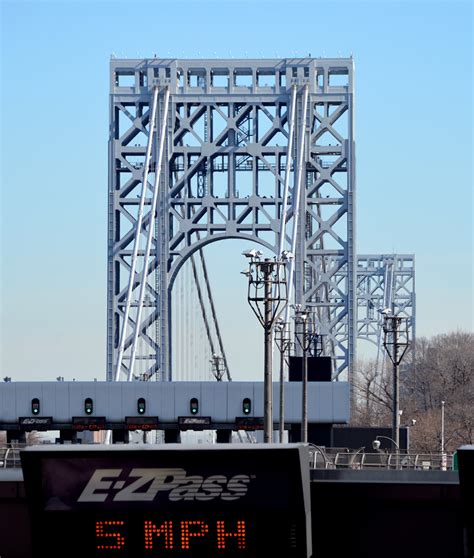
(384, 281)
(200, 151)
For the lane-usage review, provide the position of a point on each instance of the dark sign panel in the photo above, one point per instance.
(249, 423)
(466, 481)
(88, 423)
(194, 423)
(319, 369)
(35, 423)
(132, 502)
(141, 423)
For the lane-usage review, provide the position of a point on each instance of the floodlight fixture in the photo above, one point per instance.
(252, 254)
(266, 295)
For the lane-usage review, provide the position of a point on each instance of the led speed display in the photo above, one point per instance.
(245, 501)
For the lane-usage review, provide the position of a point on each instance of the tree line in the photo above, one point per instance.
(436, 369)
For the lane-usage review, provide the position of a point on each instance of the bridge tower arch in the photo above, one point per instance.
(218, 162)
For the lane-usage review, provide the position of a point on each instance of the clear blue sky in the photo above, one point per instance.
(414, 152)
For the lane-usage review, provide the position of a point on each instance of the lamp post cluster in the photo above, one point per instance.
(267, 294)
(283, 342)
(307, 338)
(396, 343)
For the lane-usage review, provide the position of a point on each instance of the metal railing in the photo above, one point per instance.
(10, 455)
(345, 458)
(319, 458)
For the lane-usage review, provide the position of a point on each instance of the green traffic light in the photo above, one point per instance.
(35, 406)
(88, 406)
(194, 406)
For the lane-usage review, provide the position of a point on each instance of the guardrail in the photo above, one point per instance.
(344, 458)
(10, 455)
(319, 458)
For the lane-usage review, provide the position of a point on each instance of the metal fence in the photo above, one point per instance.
(10, 455)
(319, 458)
(345, 458)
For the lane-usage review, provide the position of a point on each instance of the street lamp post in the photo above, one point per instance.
(443, 454)
(396, 343)
(375, 446)
(267, 293)
(305, 335)
(442, 426)
(282, 339)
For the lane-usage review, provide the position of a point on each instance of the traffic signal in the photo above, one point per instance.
(246, 406)
(194, 406)
(141, 406)
(35, 406)
(88, 406)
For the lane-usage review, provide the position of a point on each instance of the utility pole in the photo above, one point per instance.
(267, 380)
(396, 343)
(267, 293)
(396, 392)
(282, 339)
(442, 426)
(443, 454)
(305, 336)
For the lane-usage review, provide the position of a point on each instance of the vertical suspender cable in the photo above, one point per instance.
(201, 304)
(138, 229)
(296, 199)
(143, 279)
(214, 315)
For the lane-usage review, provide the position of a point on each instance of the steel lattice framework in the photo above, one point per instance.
(384, 281)
(216, 169)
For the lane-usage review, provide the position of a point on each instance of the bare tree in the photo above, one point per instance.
(439, 369)
(443, 370)
(372, 402)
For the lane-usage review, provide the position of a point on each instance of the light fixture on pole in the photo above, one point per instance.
(376, 442)
(396, 343)
(306, 337)
(217, 366)
(283, 342)
(442, 426)
(443, 453)
(267, 293)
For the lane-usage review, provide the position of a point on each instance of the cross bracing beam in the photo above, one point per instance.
(223, 176)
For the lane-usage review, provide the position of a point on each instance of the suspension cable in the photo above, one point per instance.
(214, 315)
(296, 199)
(289, 160)
(143, 279)
(138, 228)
